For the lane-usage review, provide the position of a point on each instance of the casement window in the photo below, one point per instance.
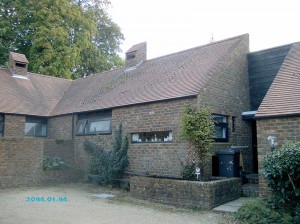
(221, 127)
(94, 123)
(152, 137)
(1, 125)
(36, 126)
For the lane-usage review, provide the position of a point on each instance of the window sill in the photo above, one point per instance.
(108, 133)
(137, 143)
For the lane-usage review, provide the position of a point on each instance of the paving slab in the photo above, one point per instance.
(233, 206)
(104, 195)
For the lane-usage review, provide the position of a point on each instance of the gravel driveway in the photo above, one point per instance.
(78, 204)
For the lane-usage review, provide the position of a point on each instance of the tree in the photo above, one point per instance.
(62, 38)
(198, 130)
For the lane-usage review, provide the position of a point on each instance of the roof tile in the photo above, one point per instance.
(283, 97)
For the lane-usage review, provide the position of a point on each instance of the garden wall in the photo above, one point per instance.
(21, 162)
(184, 193)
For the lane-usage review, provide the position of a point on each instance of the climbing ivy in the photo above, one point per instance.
(198, 130)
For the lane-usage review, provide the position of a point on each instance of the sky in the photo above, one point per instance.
(170, 26)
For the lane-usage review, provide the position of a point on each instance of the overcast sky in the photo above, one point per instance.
(169, 26)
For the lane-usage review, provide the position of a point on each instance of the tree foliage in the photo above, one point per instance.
(282, 173)
(198, 130)
(62, 38)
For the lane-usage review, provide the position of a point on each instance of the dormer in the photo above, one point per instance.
(18, 65)
(136, 55)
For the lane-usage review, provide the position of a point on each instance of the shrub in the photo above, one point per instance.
(109, 164)
(188, 172)
(282, 173)
(297, 214)
(54, 163)
(259, 212)
(198, 130)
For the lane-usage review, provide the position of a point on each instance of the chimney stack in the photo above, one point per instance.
(18, 64)
(136, 54)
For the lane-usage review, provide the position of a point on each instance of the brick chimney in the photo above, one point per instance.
(18, 64)
(136, 54)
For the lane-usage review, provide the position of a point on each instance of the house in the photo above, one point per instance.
(48, 116)
(279, 113)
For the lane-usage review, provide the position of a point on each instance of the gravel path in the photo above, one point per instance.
(77, 204)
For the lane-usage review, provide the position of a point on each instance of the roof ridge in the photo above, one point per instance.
(269, 48)
(201, 46)
(100, 73)
(54, 107)
(49, 76)
(220, 65)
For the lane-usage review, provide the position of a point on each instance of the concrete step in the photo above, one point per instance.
(232, 206)
(250, 190)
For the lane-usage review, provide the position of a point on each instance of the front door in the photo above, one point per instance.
(254, 146)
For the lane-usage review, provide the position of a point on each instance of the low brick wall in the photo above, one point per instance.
(184, 193)
(50, 177)
(21, 162)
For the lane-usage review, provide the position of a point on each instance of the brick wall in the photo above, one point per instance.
(159, 158)
(20, 161)
(60, 127)
(194, 194)
(139, 55)
(14, 125)
(285, 129)
(227, 93)
(63, 149)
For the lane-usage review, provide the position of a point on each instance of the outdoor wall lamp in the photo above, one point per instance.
(272, 142)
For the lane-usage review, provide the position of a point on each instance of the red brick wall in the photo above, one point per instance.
(159, 158)
(227, 93)
(285, 129)
(20, 161)
(14, 125)
(63, 149)
(60, 127)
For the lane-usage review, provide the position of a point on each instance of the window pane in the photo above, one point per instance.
(36, 126)
(99, 126)
(152, 137)
(29, 128)
(44, 130)
(221, 124)
(220, 132)
(81, 127)
(219, 118)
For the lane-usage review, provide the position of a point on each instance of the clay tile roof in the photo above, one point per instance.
(182, 74)
(283, 97)
(37, 95)
(136, 47)
(19, 57)
(173, 76)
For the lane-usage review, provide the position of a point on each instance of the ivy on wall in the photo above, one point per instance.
(198, 129)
